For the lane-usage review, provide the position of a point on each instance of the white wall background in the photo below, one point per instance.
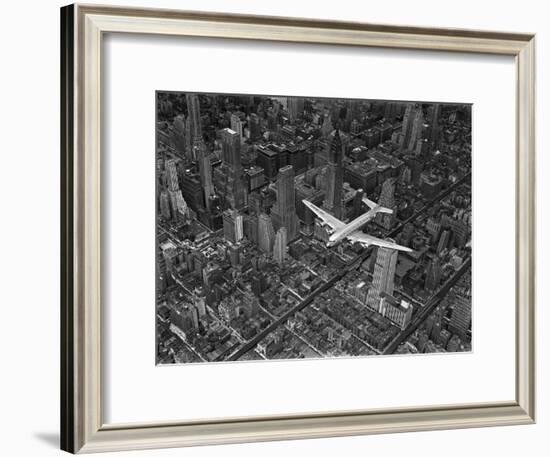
(29, 225)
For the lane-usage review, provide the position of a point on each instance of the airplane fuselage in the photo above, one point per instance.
(354, 225)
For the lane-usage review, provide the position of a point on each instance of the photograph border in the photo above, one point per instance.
(275, 96)
(82, 425)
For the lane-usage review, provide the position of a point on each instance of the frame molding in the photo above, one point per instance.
(82, 426)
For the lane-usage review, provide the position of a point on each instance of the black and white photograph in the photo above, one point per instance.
(303, 227)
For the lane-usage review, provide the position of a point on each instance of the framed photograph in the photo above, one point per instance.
(279, 228)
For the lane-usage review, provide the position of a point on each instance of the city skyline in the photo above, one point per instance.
(309, 227)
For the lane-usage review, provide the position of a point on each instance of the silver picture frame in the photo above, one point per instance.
(82, 426)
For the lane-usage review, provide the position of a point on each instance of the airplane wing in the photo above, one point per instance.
(376, 206)
(329, 219)
(367, 240)
(369, 203)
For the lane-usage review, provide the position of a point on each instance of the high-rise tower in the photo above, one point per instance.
(178, 205)
(434, 125)
(387, 200)
(279, 247)
(172, 175)
(383, 277)
(283, 213)
(411, 129)
(194, 113)
(295, 107)
(461, 316)
(233, 226)
(266, 234)
(205, 171)
(433, 274)
(416, 129)
(233, 169)
(335, 177)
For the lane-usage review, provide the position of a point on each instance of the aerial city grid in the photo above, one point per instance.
(303, 227)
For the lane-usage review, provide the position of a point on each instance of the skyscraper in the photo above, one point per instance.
(406, 126)
(283, 213)
(443, 241)
(461, 316)
(164, 205)
(237, 125)
(194, 115)
(326, 127)
(178, 133)
(180, 211)
(434, 125)
(233, 226)
(199, 301)
(171, 174)
(335, 177)
(232, 168)
(205, 171)
(279, 247)
(416, 128)
(433, 275)
(383, 276)
(411, 129)
(295, 107)
(254, 126)
(266, 234)
(387, 200)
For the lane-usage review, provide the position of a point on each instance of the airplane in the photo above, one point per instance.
(352, 231)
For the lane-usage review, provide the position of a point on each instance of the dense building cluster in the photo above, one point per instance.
(244, 271)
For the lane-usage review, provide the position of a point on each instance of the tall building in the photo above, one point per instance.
(259, 283)
(406, 126)
(250, 227)
(326, 127)
(185, 317)
(255, 178)
(199, 301)
(232, 169)
(237, 125)
(268, 159)
(205, 171)
(383, 276)
(233, 226)
(254, 127)
(411, 129)
(178, 206)
(280, 246)
(387, 200)
(461, 316)
(283, 213)
(295, 107)
(272, 121)
(335, 177)
(194, 115)
(397, 311)
(178, 133)
(416, 129)
(266, 234)
(234, 254)
(171, 174)
(434, 125)
(443, 241)
(433, 274)
(188, 138)
(180, 210)
(164, 205)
